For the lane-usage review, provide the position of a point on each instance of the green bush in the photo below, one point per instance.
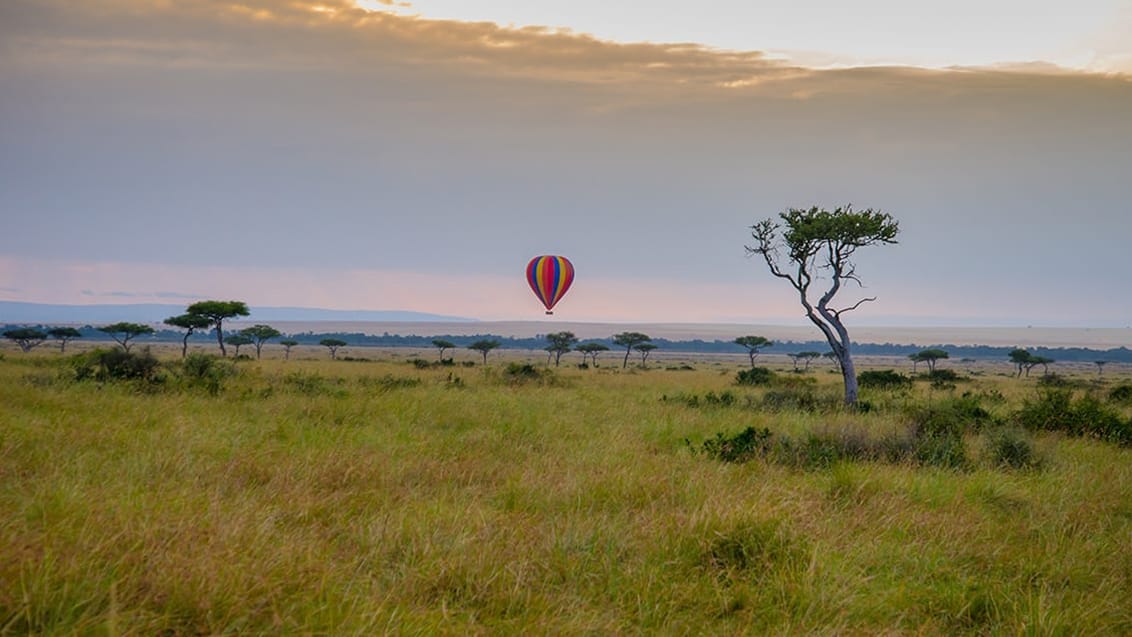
(883, 379)
(953, 416)
(205, 371)
(116, 364)
(742, 447)
(1121, 394)
(755, 376)
(799, 399)
(1060, 410)
(941, 450)
(1011, 448)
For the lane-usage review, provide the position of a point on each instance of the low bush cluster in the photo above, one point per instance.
(1060, 409)
(755, 376)
(883, 379)
(117, 364)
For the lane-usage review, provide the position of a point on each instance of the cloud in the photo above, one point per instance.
(305, 139)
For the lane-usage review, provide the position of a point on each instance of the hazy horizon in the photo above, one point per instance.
(414, 156)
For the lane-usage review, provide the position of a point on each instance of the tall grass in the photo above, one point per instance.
(314, 497)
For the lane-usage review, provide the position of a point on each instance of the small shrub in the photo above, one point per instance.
(792, 399)
(1055, 380)
(941, 450)
(419, 363)
(518, 373)
(944, 376)
(1059, 410)
(742, 447)
(1121, 394)
(387, 382)
(755, 376)
(883, 379)
(955, 416)
(752, 549)
(116, 364)
(205, 371)
(1011, 448)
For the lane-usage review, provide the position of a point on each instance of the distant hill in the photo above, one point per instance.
(14, 312)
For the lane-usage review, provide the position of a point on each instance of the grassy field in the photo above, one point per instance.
(372, 497)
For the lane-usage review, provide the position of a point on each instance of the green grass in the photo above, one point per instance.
(311, 497)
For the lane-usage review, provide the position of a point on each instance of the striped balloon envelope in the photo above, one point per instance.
(550, 277)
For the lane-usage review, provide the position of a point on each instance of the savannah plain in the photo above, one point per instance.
(390, 494)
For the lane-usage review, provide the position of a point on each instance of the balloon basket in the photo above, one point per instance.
(548, 312)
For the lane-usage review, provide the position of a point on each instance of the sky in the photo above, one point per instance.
(389, 155)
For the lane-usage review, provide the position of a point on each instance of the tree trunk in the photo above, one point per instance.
(220, 338)
(185, 344)
(625, 363)
(849, 374)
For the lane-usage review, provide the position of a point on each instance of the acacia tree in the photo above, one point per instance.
(644, 349)
(483, 346)
(442, 345)
(1100, 367)
(259, 334)
(1024, 360)
(123, 333)
(26, 337)
(753, 345)
(217, 311)
(629, 340)
(591, 350)
(929, 356)
(238, 340)
(190, 323)
(63, 335)
(287, 344)
(332, 344)
(807, 357)
(560, 343)
(818, 241)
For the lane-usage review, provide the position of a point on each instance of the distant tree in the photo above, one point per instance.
(287, 344)
(832, 356)
(644, 349)
(190, 323)
(806, 357)
(629, 340)
(483, 346)
(1024, 360)
(560, 343)
(332, 344)
(26, 337)
(1100, 367)
(218, 311)
(63, 335)
(442, 345)
(260, 334)
(238, 340)
(591, 350)
(123, 333)
(753, 345)
(820, 244)
(929, 356)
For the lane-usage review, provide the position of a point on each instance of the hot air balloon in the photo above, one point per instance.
(550, 277)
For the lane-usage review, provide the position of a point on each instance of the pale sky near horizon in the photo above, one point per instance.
(313, 153)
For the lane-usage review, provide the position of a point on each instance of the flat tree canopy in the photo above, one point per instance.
(26, 337)
(807, 245)
(629, 340)
(63, 335)
(218, 311)
(123, 333)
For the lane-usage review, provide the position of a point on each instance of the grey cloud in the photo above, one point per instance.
(375, 140)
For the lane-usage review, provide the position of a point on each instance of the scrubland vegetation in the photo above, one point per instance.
(143, 495)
